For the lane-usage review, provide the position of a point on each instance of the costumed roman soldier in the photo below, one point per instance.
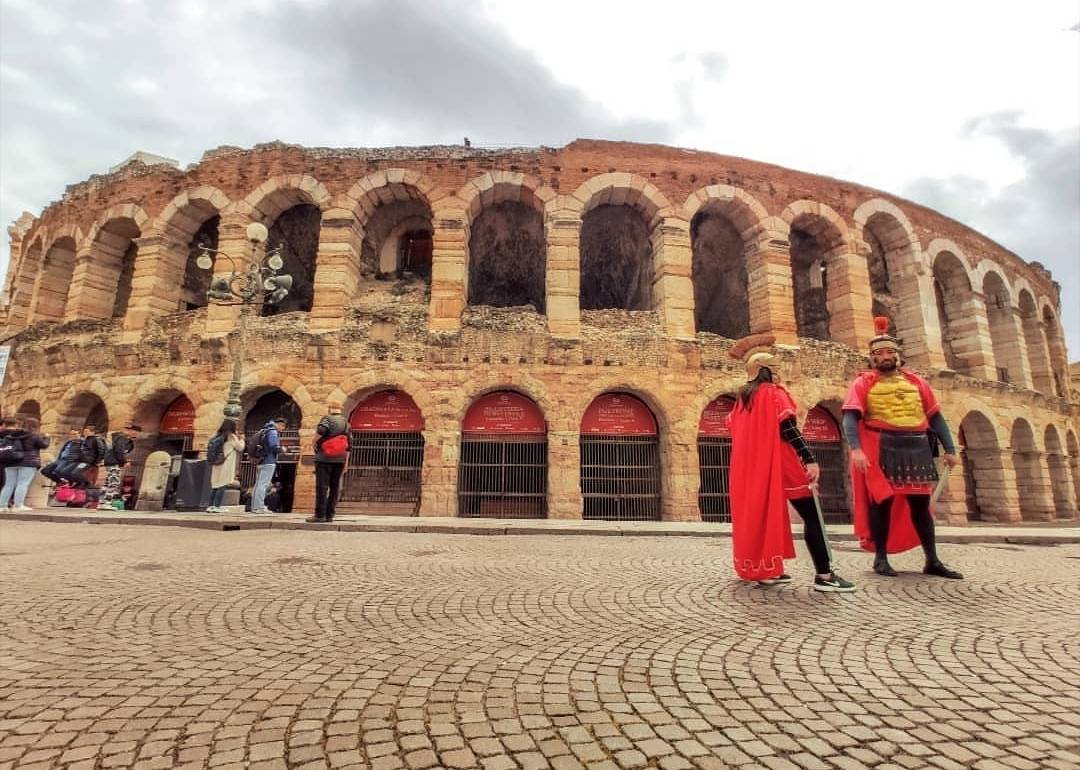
(892, 423)
(771, 465)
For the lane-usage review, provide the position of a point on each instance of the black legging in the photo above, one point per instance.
(813, 534)
(881, 515)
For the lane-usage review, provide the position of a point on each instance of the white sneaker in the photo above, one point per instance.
(21, 509)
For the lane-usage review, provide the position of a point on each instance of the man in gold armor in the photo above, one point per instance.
(892, 423)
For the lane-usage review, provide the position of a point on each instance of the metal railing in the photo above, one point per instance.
(503, 476)
(383, 467)
(620, 477)
(714, 462)
(833, 485)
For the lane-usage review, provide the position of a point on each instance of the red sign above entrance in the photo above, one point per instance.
(714, 419)
(820, 426)
(504, 411)
(618, 414)
(388, 411)
(179, 417)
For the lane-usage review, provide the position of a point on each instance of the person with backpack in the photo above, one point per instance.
(331, 453)
(118, 457)
(223, 453)
(60, 468)
(18, 475)
(263, 448)
(83, 474)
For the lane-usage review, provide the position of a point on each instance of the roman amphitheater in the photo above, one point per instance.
(535, 332)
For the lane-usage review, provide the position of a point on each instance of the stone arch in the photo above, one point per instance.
(1003, 332)
(189, 221)
(1035, 342)
(279, 193)
(1036, 503)
(493, 187)
(983, 473)
(29, 408)
(1057, 463)
(1073, 448)
(622, 188)
(54, 280)
(25, 273)
(256, 383)
(388, 186)
(358, 387)
(80, 406)
(102, 280)
(724, 220)
(1055, 344)
(954, 296)
(817, 235)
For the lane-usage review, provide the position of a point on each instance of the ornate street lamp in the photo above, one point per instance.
(251, 283)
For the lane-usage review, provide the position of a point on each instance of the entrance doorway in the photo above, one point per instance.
(386, 458)
(276, 403)
(620, 460)
(714, 460)
(822, 434)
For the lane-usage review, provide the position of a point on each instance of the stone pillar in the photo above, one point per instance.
(996, 484)
(565, 500)
(673, 287)
(1061, 486)
(769, 284)
(232, 241)
(1036, 502)
(337, 269)
(157, 280)
(449, 269)
(1016, 352)
(1038, 356)
(919, 326)
(442, 451)
(849, 298)
(971, 338)
(951, 507)
(562, 230)
(681, 474)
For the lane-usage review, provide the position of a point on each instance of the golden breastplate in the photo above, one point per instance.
(895, 401)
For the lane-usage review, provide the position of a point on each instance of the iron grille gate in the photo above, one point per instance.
(383, 467)
(833, 484)
(289, 455)
(502, 476)
(714, 462)
(620, 477)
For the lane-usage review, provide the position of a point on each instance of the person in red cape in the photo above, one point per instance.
(771, 465)
(891, 419)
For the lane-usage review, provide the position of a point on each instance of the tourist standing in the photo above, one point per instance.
(771, 466)
(264, 453)
(117, 458)
(223, 453)
(22, 473)
(891, 418)
(331, 453)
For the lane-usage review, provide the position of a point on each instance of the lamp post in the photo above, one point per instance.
(251, 282)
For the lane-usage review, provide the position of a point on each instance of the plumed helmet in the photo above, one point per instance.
(755, 351)
(882, 339)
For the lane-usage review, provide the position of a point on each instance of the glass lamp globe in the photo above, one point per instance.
(257, 232)
(204, 261)
(275, 262)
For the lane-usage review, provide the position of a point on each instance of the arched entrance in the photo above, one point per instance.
(1060, 485)
(980, 456)
(29, 408)
(714, 460)
(971, 488)
(387, 455)
(620, 459)
(176, 429)
(275, 403)
(503, 467)
(822, 434)
(1036, 503)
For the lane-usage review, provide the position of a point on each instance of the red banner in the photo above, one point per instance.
(714, 419)
(821, 427)
(504, 411)
(179, 417)
(388, 411)
(618, 414)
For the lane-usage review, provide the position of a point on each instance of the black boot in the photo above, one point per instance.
(935, 567)
(882, 566)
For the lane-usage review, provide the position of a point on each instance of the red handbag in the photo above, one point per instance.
(336, 446)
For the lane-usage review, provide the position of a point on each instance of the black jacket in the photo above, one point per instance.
(329, 426)
(32, 444)
(120, 450)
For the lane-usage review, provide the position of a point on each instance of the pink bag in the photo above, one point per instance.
(64, 493)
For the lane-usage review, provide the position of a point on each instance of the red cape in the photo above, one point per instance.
(760, 524)
(873, 484)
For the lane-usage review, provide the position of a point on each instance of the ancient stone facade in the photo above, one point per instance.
(601, 267)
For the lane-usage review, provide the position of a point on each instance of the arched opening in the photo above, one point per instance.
(383, 474)
(1038, 355)
(952, 292)
(263, 409)
(822, 434)
(107, 288)
(86, 409)
(29, 408)
(714, 460)
(879, 266)
(167, 420)
(1060, 484)
(980, 458)
(503, 468)
(1002, 329)
(55, 280)
(397, 241)
(616, 259)
(811, 240)
(1059, 366)
(721, 301)
(1035, 501)
(507, 256)
(25, 273)
(296, 229)
(1074, 463)
(620, 459)
(196, 281)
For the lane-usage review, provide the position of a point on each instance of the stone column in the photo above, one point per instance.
(1016, 350)
(18, 286)
(442, 451)
(157, 280)
(565, 500)
(849, 298)
(449, 269)
(971, 338)
(232, 241)
(94, 281)
(562, 230)
(337, 269)
(951, 508)
(996, 484)
(1036, 501)
(770, 284)
(681, 475)
(673, 288)
(927, 348)
(1038, 355)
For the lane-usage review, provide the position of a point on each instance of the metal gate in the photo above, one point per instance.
(714, 462)
(384, 467)
(833, 484)
(620, 477)
(502, 476)
(288, 457)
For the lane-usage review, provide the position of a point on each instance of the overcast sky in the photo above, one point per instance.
(972, 108)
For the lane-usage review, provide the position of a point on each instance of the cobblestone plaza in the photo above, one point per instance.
(156, 647)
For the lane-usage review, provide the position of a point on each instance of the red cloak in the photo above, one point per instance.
(873, 484)
(765, 474)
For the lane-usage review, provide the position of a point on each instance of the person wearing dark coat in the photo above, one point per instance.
(17, 477)
(58, 470)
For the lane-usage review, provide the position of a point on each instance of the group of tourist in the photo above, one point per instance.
(894, 426)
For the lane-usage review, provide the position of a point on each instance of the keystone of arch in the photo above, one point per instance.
(742, 208)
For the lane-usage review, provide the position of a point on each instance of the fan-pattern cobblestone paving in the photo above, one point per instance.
(155, 647)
